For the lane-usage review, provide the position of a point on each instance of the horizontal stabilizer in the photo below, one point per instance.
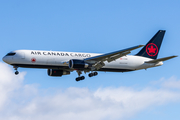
(161, 59)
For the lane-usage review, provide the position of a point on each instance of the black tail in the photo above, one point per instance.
(151, 49)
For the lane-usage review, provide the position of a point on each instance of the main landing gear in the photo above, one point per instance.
(93, 74)
(82, 77)
(15, 68)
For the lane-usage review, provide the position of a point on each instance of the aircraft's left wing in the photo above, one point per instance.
(98, 61)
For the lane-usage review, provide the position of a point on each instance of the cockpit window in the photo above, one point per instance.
(11, 54)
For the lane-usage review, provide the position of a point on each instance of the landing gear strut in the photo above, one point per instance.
(15, 68)
(80, 77)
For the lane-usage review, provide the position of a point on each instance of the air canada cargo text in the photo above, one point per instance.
(60, 54)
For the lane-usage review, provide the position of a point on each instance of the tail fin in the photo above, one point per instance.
(151, 49)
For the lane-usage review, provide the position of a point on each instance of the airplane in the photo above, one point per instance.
(59, 63)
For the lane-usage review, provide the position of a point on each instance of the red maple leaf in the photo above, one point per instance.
(151, 49)
(33, 60)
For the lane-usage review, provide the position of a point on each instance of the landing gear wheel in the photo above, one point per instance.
(77, 79)
(95, 73)
(80, 78)
(16, 73)
(90, 74)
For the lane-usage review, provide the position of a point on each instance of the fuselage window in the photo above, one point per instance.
(11, 54)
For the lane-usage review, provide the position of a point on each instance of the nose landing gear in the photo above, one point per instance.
(15, 68)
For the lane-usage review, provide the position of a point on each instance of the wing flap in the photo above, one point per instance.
(161, 59)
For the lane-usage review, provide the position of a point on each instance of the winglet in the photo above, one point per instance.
(141, 45)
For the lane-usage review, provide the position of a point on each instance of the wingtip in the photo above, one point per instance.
(173, 56)
(141, 45)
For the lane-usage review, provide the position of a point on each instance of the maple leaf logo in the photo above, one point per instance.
(33, 60)
(151, 49)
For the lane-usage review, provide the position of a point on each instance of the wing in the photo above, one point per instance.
(98, 61)
(161, 59)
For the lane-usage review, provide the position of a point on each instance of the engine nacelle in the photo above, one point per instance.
(77, 64)
(56, 72)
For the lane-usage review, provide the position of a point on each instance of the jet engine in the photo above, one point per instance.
(77, 64)
(56, 72)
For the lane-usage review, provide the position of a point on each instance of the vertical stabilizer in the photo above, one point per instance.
(152, 48)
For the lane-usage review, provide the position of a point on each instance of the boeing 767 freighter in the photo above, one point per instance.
(60, 63)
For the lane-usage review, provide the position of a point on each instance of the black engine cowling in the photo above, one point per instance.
(56, 72)
(77, 64)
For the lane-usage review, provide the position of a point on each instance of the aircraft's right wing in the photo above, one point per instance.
(98, 61)
(161, 59)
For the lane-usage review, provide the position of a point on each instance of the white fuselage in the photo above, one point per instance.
(57, 60)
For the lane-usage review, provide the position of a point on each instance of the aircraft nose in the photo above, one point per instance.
(4, 58)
